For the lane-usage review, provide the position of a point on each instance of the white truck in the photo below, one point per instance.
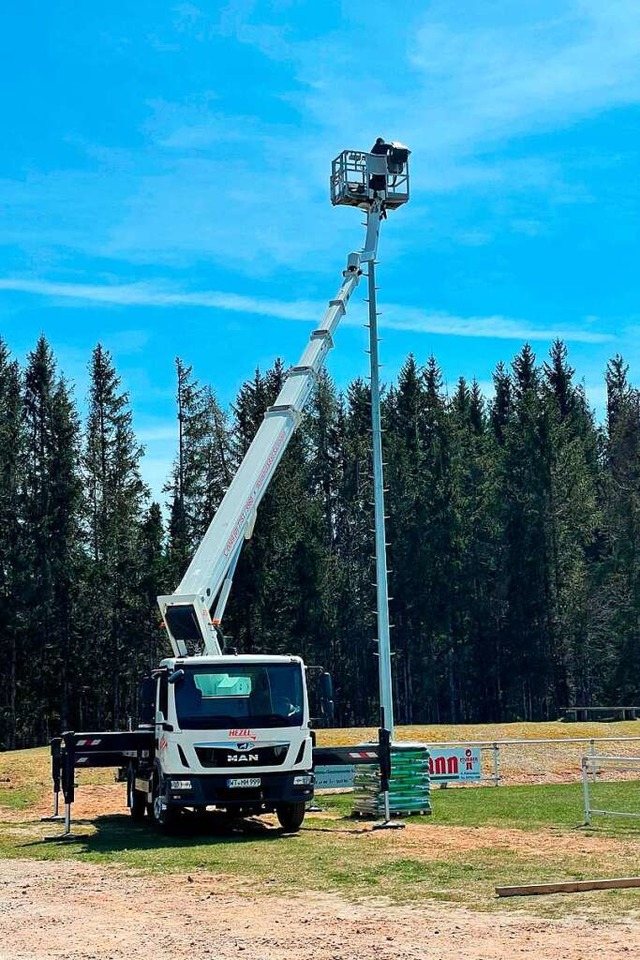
(219, 729)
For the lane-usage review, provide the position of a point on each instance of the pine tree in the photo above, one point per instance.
(354, 647)
(525, 493)
(443, 557)
(319, 558)
(153, 582)
(476, 604)
(406, 479)
(501, 407)
(574, 523)
(115, 497)
(620, 573)
(12, 553)
(51, 511)
(201, 472)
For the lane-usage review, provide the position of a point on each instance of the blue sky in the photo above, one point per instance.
(164, 185)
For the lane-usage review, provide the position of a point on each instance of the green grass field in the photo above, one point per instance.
(476, 839)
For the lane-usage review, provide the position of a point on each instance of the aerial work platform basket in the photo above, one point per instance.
(357, 178)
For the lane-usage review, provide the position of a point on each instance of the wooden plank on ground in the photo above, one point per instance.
(567, 886)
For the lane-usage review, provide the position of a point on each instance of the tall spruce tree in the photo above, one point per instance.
(406, 478)
(621, 580)
(354, 647)
(51, 514)
(153, 582)
(476, 605)
(12, 548)
(525, 493)
(114, 499)
(201, 472)
(574, 523)
(316, 558)
(442, 561)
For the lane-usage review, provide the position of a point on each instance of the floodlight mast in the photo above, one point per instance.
(375, 184)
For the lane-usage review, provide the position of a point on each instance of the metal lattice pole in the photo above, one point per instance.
(384, 644)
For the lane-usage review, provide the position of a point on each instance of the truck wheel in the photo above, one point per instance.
(290, 816)
(136, 800)
(164, 816)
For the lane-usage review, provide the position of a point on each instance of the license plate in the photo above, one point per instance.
(244, 782)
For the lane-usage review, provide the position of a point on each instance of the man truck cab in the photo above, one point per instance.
(232, 733)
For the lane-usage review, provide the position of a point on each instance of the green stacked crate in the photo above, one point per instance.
(409, 786)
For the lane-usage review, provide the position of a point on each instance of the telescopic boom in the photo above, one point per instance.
(187, 613)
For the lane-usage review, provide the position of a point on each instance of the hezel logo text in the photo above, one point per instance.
(242, 735)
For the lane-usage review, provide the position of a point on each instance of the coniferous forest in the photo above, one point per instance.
(513, 528)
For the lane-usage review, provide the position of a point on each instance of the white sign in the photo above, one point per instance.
(339, 777)
(455, 764)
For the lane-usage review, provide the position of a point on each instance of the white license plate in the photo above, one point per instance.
(244, 782)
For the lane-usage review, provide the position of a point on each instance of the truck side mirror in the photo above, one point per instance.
(147, 700)
(326, 685)
(326, 698)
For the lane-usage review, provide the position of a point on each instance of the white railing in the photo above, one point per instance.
(594, 764)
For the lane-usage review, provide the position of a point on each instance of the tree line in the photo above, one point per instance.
(513, 528)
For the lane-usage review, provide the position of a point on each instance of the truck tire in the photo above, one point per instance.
(290, 816)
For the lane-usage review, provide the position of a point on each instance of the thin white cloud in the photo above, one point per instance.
(496, 327)
(145, 294)
(411, 319)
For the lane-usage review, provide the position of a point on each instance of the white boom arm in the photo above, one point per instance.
(186, 613)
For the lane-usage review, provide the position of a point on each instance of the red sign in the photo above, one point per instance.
(242, 735)
(458, 763)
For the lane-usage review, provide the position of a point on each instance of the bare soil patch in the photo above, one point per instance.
(443, 840)
(91, 800)
(64, 910)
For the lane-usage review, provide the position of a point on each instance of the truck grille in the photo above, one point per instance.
(241, 759)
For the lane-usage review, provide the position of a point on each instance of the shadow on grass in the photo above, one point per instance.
(309, 828)
(608, 827)
(115, 833)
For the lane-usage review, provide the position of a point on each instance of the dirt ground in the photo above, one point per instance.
(67, 910)
(63, 910)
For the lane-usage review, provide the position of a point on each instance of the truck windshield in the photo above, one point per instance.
(246, 695)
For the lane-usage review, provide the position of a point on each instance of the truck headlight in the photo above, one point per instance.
(303, 779)
(181, 784)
